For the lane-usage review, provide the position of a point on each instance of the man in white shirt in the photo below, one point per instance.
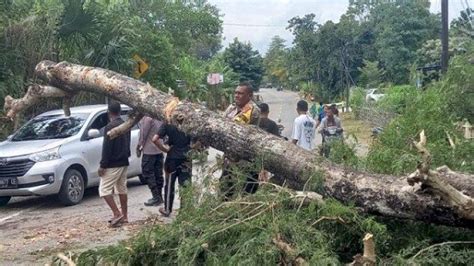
(304, 127)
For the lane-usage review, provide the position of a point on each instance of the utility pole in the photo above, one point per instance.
(444, 36)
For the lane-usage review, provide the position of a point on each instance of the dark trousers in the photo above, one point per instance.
(152, 171)
(180, 169)
(228, 183)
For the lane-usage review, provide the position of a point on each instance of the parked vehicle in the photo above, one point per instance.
(55, 154)
(373, 95)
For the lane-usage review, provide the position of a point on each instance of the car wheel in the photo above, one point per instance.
(4, 200)
(142, 179)
(72, 189)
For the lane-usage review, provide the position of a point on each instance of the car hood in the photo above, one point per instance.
(20, 148)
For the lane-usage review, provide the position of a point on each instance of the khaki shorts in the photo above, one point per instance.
(113, 181)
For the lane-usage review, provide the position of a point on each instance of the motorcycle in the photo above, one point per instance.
(330, 135)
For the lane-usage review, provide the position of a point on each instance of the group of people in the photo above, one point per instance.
(158, 137)
(305, 125)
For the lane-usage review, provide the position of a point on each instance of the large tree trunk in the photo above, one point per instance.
(377, 194)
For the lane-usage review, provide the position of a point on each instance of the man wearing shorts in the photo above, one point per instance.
(113, 167)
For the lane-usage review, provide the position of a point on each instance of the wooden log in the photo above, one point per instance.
(377, 194)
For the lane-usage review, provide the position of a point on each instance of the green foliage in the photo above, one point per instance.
(357, 100)
(458, 85)
(245, 61)
(244, 231)
(275, 62)
(397, 98)
(171, 36)
(401, 27)
(344, 154)
(373, 42)
(435, 110)
(370, 74)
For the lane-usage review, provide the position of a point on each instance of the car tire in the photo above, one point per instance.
(142, 179)
(4, 200)
(72, 188)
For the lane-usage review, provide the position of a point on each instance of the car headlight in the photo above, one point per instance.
(47, 155)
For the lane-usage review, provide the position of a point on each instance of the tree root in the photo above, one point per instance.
(433, 180)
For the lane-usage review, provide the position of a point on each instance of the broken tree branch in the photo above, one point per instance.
(133, 119)
(290, 253)
(33, 95)
(368, 258)
(431, 179)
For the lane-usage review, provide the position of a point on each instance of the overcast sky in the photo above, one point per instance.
(257, 21)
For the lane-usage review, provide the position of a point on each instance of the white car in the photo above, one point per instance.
(54, 154)
(373, 95)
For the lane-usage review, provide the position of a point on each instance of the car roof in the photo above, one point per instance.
(83, 109)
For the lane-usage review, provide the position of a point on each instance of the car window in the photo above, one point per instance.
(99, 123)
(51, 127)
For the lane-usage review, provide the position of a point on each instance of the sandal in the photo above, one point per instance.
(115, 222)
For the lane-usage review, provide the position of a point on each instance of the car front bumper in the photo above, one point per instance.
(43, 178)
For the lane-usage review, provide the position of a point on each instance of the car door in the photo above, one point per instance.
(92, 148)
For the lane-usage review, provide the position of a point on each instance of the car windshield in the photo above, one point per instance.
(51, 127)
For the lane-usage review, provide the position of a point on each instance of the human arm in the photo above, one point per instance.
(275, 130)
(296, 133)
(145, 127)
(158, 143)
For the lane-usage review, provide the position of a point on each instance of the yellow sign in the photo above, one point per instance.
(141, 66)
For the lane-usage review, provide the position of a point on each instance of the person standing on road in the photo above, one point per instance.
(321, 113)
(304, 127)
(242, 111)
(152, 160)
(177, 164)
(266, 123)
(113, 167)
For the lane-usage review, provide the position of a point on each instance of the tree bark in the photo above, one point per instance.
(376, 194)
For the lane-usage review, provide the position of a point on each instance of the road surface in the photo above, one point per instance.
(32, 229)
(283, 108)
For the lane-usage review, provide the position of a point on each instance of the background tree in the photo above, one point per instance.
(370, 74)
(245, 61)
(275, 62)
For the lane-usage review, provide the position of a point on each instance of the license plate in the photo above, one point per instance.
(8, 183)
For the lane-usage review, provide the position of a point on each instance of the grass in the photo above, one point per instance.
(357, 131)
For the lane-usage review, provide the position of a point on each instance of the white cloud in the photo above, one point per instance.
(257, 21)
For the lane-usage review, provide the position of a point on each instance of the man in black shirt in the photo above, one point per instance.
(177, 164)
(113, 166)
(266, 123)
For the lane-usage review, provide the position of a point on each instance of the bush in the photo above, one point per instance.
(357, 101)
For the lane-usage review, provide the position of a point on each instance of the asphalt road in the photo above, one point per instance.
(283, 108)
(34, 228)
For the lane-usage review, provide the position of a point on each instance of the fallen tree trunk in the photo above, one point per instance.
(376, 194)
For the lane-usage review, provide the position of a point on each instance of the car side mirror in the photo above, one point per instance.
(93, 133)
